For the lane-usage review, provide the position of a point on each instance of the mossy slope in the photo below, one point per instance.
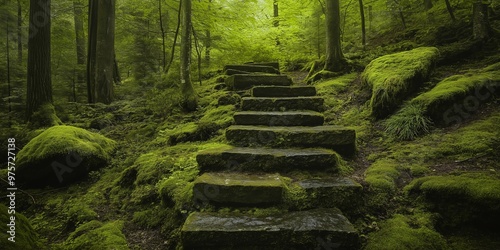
(25, 237)
(97, 235)
(61, 155)
(396, 76)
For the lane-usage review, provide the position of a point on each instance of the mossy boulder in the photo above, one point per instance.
(62, 155)
(393, 78)
(97, 235)
(467, 199)
(457, 97)
(25, 236)
(406, 232)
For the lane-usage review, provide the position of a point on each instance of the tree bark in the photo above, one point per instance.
(189, 97)
(334, 57)
(91, 52)
(208, 39)
(105, 49)
(276, 22)
(162, 30)
(19, 33)
(175, 38)
(450, 10)
(363, 27)
(480, 26)
(39, 85)
(80, 40)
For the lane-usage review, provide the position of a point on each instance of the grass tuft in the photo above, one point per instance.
(409, 123)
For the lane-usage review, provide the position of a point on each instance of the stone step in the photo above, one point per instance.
(313, 229)
(247, 81)
(267, 159)
(282, 103)
(238, 189)
(340, 192)
(338, 138)
(275, 65)
(250, 68)
(283, 91)
(276, 118)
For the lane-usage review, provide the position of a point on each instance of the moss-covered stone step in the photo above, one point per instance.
(282, 103)
(340, 192)
(267, 159)
(275, 65)
(338, 138)
(283, 91)
(313, 229)
(251, 68)
(247, 81)
(238, 189)
(277, 118)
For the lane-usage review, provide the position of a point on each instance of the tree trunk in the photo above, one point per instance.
(105, 49)
(7, 55)
(334, 57)
(363, 27)
(162, 30)
(401, 15)
(175, 38)
(276, 23)
(80, 41)
(116, 72)
(480, 26)
(91, 53)
(189, 96)
(208, 39)
(19, 33)
(450, 10)
(39, 85)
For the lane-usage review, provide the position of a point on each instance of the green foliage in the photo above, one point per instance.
(409, 123)
(25, 236)
(97, 235)
(45, 116)
(407, 232)
(163, 102)
(395, 77)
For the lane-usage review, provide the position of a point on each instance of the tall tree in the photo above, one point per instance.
(363, 26)
(80, 39)
(19, 33)
(335, 60)
(162, 30)
(450, 10)
(101, 51)
(190, 101)
(480, 23)
(39, 108)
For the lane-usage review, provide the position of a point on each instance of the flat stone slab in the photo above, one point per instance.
(247, 81)
(340, 192)
(251, 68)
(276, 118)
(238, 189)
(282, 103)
(313, 229)
(275, 65)
(338, 138)
(280, 91)
(267, 159)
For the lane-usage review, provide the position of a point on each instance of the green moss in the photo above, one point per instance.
(97, 235)
(80, 213)
(332, 87)
(77, 151)
(45, 116)
(406, 232)
(381, 175)
(295, 197)
(153, 217)
(409, 123)
(478, 188)
(216, 119)
(25, 236)
(462, 92)
(393, 78)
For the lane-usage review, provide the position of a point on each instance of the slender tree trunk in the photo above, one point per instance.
(363, 27)
(189, 96)
(276, 22)
(401, 15)
(105, 48)
(91, 53)
(450, 10)
(19, 33)
(80, 41)
(39, 85)
(198, 53)
(7, 55)
(481, 26)
(208, 39)
(334, 57)
(175, 37)
(428, 4)
(116, 72)
(164, 59)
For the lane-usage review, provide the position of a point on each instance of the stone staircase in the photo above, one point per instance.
(278, 133)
